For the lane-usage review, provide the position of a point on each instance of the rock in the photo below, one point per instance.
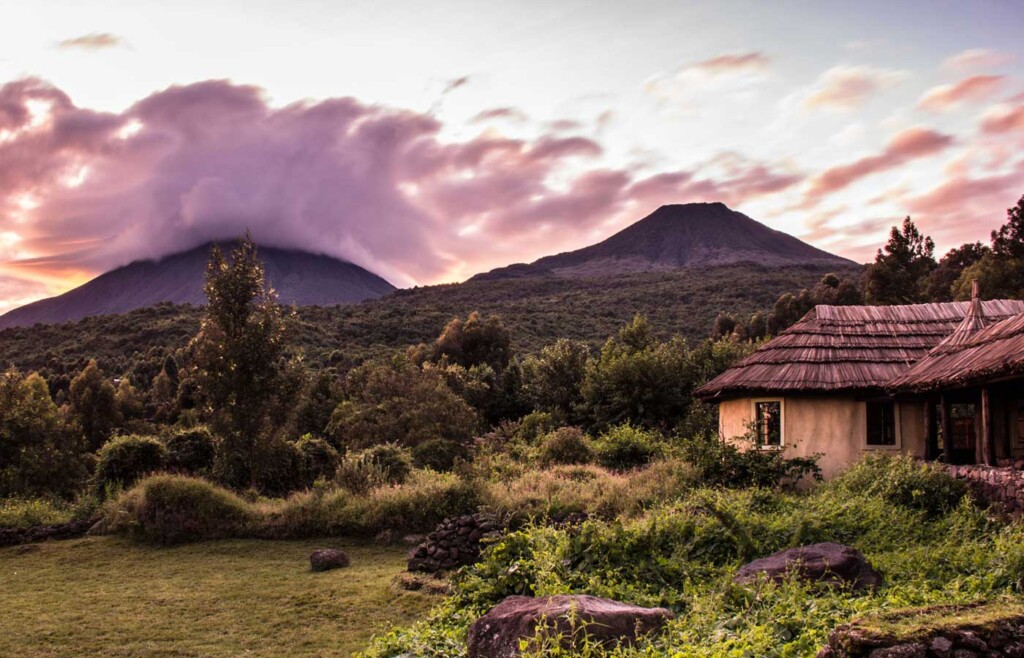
(497, 633)
(325, 559)
(827, 563)
(941, 646)
(453, 544)
(900, 651)
(412, 540)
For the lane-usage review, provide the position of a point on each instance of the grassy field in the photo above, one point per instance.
(102, 596)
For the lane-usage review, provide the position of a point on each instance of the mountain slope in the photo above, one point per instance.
(677, 237)
(300, 278)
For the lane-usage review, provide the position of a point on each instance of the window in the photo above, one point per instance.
(768, 422)
(881, 423)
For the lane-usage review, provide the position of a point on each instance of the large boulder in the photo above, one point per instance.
(567, 617)
(325, 559)
(824, 563)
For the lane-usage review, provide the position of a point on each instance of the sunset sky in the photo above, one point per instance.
(428, 141)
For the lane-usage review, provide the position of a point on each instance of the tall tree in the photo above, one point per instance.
(950, 267)
(244, 378)
(94, 404)
(900, 272)
(1000, 272)
(41, 453)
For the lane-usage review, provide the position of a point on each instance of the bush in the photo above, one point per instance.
(903, 481)
(394, 460)
(16, 513)
(418, 505)
(319, 459)
(626, 446)
(721, 463)
(191, 451)
(172, 509)
(125, 459)
(566, 445)
(277, 464)
(358, 475)
(438, 454)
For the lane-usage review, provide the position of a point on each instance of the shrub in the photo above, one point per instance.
(721, 463)
(125, 459)
(625, 446)
(418, 505)
(438, 454)
(358, 475)
(393, 459)
(172, 509)
(319, 459)
(16, 513)
(191, 451)
(566, 445)
(903, 481)
(277, 464)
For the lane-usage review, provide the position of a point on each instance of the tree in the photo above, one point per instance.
(999, 271)
(1008, 241)
(129, 401)
(475, 341)
(398, 402)
(246, 382)
(41, 453)
(318, 402)
(951, 267)
(638, 379)
(553, 379)
(94, 405)
(900, 272)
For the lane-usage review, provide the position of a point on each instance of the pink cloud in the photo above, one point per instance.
(506, 113)
(968, 90)
(84, 191)
(976, 58)
(964, 208)
(92, 41)
(908, 145)
(849, 87)
(1004, 118)
(731, 63)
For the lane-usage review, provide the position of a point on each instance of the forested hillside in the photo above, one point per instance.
(537, 311)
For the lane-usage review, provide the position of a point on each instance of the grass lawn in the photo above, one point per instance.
(102, 596)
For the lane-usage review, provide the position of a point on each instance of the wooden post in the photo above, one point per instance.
(931, 437)
(947, 436)
(988, 447)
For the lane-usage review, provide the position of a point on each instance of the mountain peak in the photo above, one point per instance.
(678, 236)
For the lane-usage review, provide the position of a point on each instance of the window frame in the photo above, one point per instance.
(897, 429)
(782, 423)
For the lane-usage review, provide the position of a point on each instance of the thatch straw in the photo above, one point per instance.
(855, 349)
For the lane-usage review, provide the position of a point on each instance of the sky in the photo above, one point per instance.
(431, 141)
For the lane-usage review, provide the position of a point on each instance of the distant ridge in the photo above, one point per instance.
(676, 237)
(299, 277)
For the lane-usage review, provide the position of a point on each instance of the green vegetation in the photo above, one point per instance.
(683, 555)
(535, 311)
(102, 596)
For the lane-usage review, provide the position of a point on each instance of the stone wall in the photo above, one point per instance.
(1003, 485)
(455, 543)
(992, 634)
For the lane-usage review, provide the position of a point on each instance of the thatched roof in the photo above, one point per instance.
(992, 352)
(853, 349)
